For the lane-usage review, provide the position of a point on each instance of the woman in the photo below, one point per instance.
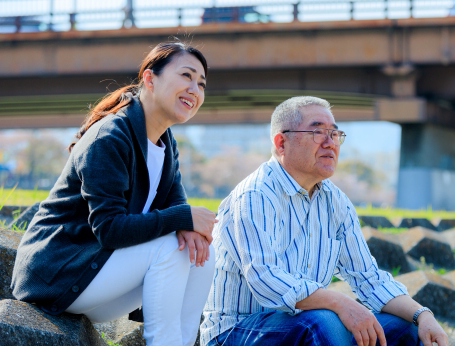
(103, 243)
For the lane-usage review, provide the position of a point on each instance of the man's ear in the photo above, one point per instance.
(278, 141)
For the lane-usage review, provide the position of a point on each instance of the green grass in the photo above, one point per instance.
(392, 213)
(21, 197)
(211, 204)
(28, 197)
(393, 230)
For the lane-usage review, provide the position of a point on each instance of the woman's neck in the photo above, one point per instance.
(155, 123)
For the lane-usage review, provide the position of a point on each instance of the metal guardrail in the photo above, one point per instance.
(56, 15)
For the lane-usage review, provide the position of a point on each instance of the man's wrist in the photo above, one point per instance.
(424, 311)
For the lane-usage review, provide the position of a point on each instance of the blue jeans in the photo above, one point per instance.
(312, 327)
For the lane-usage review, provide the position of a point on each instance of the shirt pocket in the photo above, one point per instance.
(48, 256)
(329, 259)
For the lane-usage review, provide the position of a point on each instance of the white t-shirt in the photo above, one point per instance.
(155, 160)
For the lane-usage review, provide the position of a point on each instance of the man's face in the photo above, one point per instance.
(302, 155)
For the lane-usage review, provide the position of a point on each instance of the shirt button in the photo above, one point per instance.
(54, 308)
(75, 289)
(309, 266)
(94, 265)
(311, 235)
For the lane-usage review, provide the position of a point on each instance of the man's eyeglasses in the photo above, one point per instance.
(321, 135)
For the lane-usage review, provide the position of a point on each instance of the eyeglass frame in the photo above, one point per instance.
(342, 136)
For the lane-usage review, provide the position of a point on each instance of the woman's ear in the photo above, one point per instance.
(147, 77)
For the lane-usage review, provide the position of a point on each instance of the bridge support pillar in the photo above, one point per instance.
(427, 167)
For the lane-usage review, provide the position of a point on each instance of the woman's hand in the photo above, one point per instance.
(196, 243)
(203, 222)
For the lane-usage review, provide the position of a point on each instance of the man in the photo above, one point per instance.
(283, 232)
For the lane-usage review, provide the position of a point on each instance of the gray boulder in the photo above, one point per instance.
(431, 290)
(433, 246)
(386, 249)
(376, 221)
(24, 218)
(446, 224)
(23, 324)
(122, 331)
(7, 211)
(9, 241)
(416, 222)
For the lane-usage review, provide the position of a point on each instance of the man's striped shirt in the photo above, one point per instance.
(275, 246)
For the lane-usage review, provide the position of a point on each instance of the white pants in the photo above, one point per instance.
(158, 276)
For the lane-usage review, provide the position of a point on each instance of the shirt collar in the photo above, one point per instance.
(290, 186)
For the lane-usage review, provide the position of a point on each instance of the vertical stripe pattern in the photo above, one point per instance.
(275, 246)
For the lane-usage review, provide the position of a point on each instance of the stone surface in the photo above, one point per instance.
(25, 324)
(416, 222)
(386, 249)
(450, 236)
(376, 221)
(6, 213)
(446, 224)
(431, 290)
(9, 241)
(450, 276)
(122, 331)
(434, 246)
(24, 218)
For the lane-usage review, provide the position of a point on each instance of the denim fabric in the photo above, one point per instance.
(313, 327)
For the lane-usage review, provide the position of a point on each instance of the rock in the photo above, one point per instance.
(386, 249)
(7, 211)
(433, 246)
(416, 222)
(9, 241)
(450, 236)
(446, 224)
(25, 324)
(376, 221)
(431, 290)
(450, 276)
(122, 331)
(24, 218)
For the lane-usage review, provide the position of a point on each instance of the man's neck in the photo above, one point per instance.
(307, 182)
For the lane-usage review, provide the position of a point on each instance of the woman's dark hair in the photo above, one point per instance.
(156, 60)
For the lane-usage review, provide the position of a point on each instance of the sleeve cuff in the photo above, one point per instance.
(384, 293)
(177, 218)
(306, 288)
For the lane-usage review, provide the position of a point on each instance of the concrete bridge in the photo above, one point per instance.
(395, 70)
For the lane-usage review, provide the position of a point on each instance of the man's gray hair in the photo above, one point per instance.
(288, 115)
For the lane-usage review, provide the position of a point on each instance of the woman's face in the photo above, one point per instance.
(178, 91)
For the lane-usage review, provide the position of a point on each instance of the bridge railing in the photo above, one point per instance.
(64, 15)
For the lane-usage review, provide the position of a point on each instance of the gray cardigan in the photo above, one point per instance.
(96, 207)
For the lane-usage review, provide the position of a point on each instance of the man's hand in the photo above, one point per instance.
(430, 331)
(355, 317)
(203, 222)
(361, 323)
(196, 243)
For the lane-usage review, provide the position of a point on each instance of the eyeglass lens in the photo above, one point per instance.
(320, 135)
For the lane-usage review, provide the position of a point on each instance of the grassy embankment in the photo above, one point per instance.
(28, 197)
